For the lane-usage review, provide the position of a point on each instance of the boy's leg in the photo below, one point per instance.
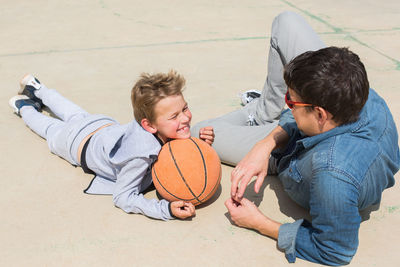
(53, 130)
(42, 125)
(60, 106)
(291, 36)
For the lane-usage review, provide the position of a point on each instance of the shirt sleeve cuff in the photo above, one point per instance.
(287, 239)
(170, 211)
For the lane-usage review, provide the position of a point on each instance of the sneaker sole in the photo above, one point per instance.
(14, 99)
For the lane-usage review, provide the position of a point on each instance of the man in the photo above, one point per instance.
(335, 150)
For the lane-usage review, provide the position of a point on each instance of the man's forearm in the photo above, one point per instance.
(277, 138)
(268, 227)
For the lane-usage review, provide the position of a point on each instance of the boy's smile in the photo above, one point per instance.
(173, 118)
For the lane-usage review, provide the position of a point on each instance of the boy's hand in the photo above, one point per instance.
(182, 210)
(207, 135)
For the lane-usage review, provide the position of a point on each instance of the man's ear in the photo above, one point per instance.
(148, 126)
(322, 115)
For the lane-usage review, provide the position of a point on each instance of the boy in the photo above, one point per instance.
(120, 156)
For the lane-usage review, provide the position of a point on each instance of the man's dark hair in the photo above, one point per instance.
(332, 78)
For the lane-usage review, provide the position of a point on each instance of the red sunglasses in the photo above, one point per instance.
(291, 103)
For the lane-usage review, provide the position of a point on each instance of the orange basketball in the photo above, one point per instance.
(188, 170)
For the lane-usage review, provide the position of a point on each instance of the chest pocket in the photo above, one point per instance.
(293, 171)
(294, 184)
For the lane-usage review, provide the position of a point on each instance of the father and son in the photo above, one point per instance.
(334, 150)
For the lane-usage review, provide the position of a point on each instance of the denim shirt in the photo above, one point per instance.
(335, 175)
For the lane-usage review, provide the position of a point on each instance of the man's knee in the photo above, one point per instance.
(287, 19)
(285, 23)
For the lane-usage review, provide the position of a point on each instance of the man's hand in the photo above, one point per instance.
(182, 210)
(255, 163)
(207, 135)
(246, 214)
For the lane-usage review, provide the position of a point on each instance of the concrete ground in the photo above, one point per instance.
(92, 52)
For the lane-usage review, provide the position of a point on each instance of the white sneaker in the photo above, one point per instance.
(19, 101)
(249, 96)
(28, 86)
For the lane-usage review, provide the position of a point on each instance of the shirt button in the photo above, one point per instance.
(290, 169)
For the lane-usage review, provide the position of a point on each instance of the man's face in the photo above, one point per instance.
(306, 120)
(173, 118)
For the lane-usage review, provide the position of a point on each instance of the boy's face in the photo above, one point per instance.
(173, 118)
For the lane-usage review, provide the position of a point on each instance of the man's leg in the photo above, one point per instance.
(291, 36)
(234, 135)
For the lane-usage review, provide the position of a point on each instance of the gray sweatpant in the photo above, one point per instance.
(291, 35)
(65, 133)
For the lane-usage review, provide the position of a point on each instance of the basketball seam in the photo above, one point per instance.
(159, 182)
(212, 192)
(180, 173)
(184, 180)
(204, 166)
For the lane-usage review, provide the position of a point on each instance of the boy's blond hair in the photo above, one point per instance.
(150, 89)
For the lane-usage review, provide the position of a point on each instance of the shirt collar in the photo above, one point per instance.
(346, 128)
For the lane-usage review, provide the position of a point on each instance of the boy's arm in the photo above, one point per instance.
(127, 194)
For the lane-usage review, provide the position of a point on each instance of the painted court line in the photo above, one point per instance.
(341, 31)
